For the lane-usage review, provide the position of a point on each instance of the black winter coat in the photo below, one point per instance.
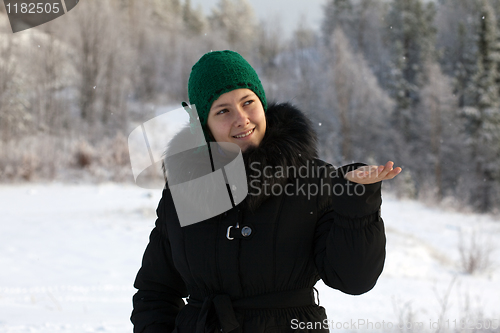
(262, 281)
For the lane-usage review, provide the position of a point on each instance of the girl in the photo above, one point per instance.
(253, 268)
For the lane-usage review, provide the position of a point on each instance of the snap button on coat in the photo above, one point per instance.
(246, 231)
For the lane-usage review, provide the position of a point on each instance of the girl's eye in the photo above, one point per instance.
(248, 102)
(222, 111)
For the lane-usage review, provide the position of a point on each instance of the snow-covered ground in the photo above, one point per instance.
(69, 255)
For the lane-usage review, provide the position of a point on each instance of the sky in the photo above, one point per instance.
(290, 12)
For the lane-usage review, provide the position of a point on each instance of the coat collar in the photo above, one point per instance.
(289, 141)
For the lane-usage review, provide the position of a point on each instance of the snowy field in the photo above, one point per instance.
(69, 255)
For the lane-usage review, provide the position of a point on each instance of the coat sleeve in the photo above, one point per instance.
(160, 286)
(350, 237)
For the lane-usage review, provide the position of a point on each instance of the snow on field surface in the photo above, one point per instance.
(69, 255)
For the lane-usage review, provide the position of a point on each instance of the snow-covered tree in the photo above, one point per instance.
(235, 21)
(483, 117)
(360, 107)
(440, 137)
(361, 21)
(411, 33)
(457, 45)
(167, 14)
(15, 120)
(338, 14)
(194, 20)
(484, 89)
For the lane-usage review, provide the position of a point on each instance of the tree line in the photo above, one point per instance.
(413, 81)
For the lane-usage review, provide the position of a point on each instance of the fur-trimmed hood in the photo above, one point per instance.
(289, 141)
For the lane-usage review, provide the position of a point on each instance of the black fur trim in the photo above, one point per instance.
(289, 141)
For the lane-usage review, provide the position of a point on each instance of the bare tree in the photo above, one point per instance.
(91, 29)
(475, 253)
(360, 104)
(15, 119)
(226, 19)
(439, 130)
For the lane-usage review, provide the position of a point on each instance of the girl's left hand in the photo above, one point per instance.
(372, 174)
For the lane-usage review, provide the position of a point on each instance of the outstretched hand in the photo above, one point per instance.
(372, 174)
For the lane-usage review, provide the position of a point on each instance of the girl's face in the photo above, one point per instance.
(238, 117)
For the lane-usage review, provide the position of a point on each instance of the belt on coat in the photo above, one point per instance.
(224, 307)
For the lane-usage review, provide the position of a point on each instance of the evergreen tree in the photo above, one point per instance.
(483, 119)
(457, 44)
(337, 14)
(412, 37)
(465, 65)
(362, 22)
(485, 92)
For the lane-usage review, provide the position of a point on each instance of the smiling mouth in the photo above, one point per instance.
(244, 134)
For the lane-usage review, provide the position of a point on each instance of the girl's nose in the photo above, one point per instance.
(241, 117)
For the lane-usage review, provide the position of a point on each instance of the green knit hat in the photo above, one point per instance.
(219, 72)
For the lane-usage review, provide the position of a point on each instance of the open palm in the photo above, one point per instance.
(372, 173)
